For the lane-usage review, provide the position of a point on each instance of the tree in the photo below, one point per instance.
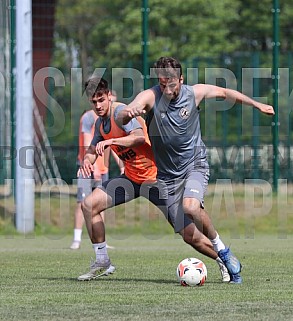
(92, 34)
(110, 32)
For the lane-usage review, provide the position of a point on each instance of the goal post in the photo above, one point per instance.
(25, 185)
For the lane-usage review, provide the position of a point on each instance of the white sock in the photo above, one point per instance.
(218, 245)
(101, 252)
(77, 234)
(219, 261)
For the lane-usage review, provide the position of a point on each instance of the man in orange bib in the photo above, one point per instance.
(99, 175)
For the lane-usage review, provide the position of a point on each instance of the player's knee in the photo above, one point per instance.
(187, 238)
(86, 206)
(93, 205)
(191, 207)
(192, 240)
(190, 234)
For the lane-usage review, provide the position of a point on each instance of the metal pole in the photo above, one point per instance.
(24, 119)
(145, 43)
(255, 115)
(12, 83)
(289, 135)
(275, 76)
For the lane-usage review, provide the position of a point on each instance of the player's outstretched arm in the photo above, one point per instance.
(139, 106)
(203, 91)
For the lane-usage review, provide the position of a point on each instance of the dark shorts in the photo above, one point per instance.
(122, 190)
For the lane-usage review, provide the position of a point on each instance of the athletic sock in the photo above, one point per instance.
(77, 235)
(218, 245)
(219, 261)
(101, 252)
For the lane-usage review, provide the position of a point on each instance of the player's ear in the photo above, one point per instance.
(181, 79)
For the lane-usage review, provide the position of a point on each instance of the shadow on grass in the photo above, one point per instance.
(107, 279)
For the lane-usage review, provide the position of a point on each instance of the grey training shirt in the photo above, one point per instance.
(174, 131)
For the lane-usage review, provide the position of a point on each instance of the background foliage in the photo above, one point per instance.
(110, 32)
(103, 34)
(229, 34)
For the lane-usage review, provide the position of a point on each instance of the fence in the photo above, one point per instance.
(239, 139)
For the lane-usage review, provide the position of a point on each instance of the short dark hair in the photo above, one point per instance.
(168, 67)
(96, 87)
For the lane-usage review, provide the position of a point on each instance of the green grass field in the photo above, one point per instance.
(38, 281)
(38, 271)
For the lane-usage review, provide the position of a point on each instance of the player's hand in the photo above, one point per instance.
(266, 109)
(102, 145)
(86, 169)
(135, 111)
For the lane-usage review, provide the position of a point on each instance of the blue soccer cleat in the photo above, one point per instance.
(232, 264)
(235, 278)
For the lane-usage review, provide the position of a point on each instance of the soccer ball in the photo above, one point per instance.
(191, 272)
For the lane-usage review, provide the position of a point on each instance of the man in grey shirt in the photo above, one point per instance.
(174, 129)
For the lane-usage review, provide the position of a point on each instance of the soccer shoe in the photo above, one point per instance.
(232, 264)
(224, 272)
(236, 278)
(75, 245)
(97, 270)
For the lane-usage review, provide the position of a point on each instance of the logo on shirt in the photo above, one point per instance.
(163, 115)
(184, 113)
(127, 155)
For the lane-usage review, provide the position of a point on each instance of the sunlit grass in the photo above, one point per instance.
(38, 281)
